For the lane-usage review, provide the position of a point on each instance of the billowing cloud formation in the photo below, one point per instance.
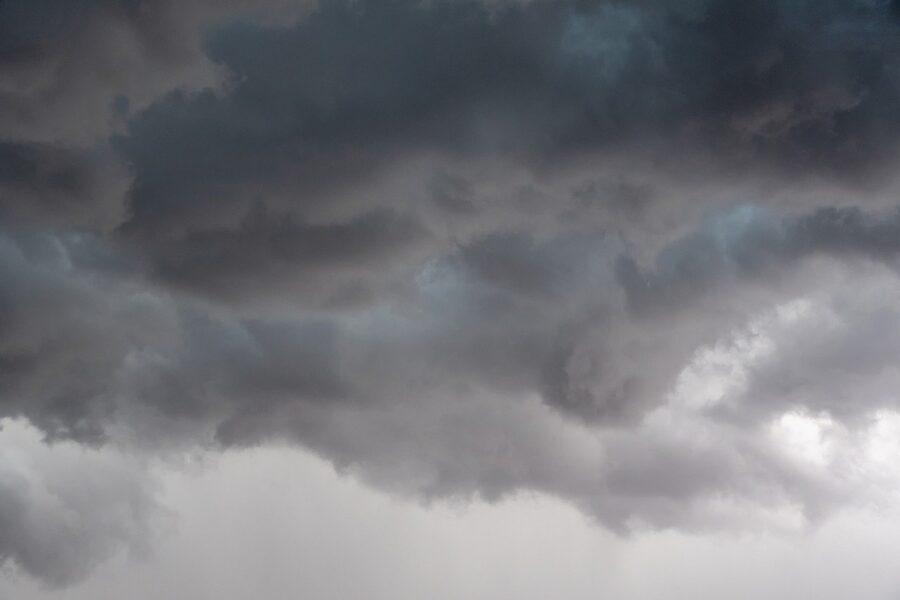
(65, 507)
(599, 250)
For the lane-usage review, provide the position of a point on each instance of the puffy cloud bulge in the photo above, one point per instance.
(638, 255)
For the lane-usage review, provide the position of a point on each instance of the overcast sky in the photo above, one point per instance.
(449, 298)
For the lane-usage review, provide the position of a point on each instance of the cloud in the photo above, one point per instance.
(43, 185)
(598, 250)
(64, 508)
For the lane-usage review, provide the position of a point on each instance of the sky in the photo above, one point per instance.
(449, 298)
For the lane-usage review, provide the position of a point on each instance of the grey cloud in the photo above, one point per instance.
(60, 57)
(316, 112)
(44, 185)
(836, 359)
(99, 58)
(83, 341)
(64, 508)
(751, 243)
(452, 247)
(333, 264)
(436, 396)
(760, 78)
(72, 73)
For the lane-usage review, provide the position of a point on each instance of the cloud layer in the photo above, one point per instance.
(638, 255)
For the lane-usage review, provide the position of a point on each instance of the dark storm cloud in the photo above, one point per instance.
(65, 63)
(72, 69)
(44, 185)
(750, 243)
(456, 248)
(70, 74)
(81, 337)
(809, 85)
(314, 112)
(334, 264)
